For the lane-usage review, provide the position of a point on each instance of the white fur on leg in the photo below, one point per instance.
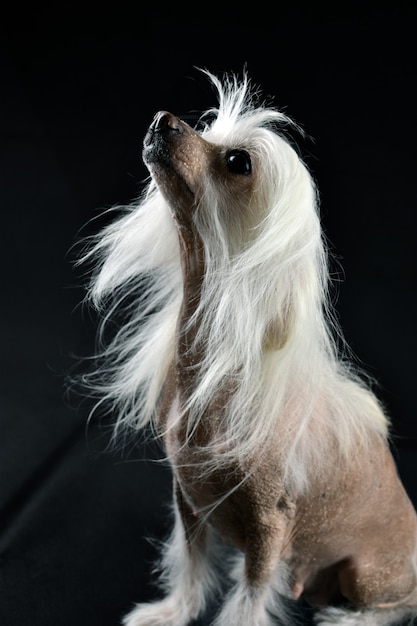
(244, 607)
(172, 611)
(187, 579)
(367, 617)
(257, 606)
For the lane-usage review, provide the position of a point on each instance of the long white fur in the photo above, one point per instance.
(266, 270)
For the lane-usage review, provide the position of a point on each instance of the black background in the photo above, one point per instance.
(78, 91)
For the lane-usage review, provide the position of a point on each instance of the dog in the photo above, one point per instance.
(278, 446)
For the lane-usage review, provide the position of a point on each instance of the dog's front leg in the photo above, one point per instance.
(254, 599)
(186, 573)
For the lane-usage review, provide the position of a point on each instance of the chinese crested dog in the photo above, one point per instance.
(277, 447)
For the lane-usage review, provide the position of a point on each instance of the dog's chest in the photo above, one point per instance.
(190, 451)
(231, 498)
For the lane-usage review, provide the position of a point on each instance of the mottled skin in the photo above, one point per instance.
(353, 535)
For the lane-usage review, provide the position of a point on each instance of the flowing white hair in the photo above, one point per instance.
(263, 317)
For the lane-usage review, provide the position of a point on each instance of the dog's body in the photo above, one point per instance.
(274, 443)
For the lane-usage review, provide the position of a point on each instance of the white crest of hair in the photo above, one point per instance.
(264, 318)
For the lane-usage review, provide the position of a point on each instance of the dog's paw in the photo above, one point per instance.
(367, 617)
(167, 612)
(342, 617)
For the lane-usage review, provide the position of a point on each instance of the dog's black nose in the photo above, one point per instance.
(164, 125)
(166, 122)
(162, 133)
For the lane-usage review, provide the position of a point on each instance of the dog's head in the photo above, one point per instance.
(183, 164)
(234, 175)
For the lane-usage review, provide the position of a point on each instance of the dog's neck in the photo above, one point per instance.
(192, 264)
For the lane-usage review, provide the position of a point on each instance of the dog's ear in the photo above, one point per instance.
(277, 333)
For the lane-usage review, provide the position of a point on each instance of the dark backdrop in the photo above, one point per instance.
(78, 91)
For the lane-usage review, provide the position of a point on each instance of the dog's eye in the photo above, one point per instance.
(238, 162)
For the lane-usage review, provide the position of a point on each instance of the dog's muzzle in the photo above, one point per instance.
(165, 127)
